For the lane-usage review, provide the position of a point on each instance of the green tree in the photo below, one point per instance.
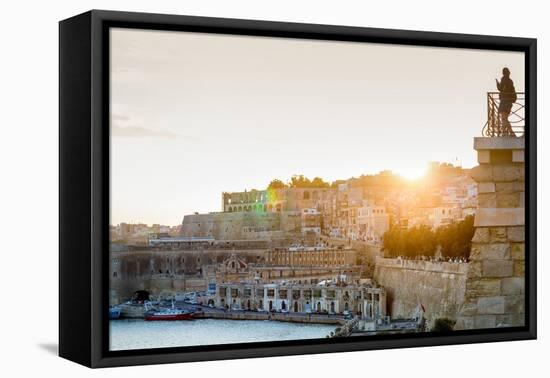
(454, 240)
(443, 325)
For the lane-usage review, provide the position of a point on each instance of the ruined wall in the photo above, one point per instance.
(438, 286)
(495, 288)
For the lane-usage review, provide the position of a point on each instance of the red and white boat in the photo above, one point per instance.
(168, 314)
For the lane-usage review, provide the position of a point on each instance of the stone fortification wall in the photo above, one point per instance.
(168, 271)
(438, 286)
(242, 225)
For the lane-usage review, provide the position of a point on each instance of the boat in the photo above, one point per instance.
(168, 314)
(114, 312)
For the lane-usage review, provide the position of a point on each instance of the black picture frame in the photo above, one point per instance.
(84, 186)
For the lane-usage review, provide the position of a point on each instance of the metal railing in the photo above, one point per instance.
(498, 124)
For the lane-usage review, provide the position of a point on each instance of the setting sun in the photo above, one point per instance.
(412, 172)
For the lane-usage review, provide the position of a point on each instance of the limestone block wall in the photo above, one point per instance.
(438, 286)
(495, 286)
(242, 225)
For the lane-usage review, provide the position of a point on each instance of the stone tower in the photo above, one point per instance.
(495, 285)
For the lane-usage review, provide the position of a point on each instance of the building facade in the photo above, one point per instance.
(311, 256)
(364, 300)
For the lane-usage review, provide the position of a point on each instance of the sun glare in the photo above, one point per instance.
(412, 173)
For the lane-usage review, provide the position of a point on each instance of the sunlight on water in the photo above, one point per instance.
(139, 334)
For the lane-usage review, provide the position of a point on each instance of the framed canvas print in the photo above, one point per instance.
(235, 188)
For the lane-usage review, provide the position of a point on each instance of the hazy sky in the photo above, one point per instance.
(194, 114)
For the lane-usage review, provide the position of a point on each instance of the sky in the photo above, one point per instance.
(195, 114)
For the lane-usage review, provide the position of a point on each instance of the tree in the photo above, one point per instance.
(443, 325)
(454, 240)
(318, 182)
(299, 181)
(276, 184)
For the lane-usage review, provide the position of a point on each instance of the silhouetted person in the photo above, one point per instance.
(507, 96)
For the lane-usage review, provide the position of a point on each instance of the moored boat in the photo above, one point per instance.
(114, 312)
(169, 314)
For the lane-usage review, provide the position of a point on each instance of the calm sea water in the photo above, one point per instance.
(139, 334)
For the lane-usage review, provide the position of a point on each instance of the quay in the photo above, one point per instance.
(281, 317)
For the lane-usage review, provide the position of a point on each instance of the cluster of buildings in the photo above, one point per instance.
(139, 233)
(286, 249)
(353, 209)
(436, 205)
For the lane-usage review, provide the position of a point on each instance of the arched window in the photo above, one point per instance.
(306, 195)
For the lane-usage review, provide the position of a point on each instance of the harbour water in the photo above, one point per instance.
(140, 334)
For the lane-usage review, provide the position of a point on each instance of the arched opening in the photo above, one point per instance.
(318, 306)
(270, 306)
(295, 306)
(346, 306)
(331, 306)
(261, 306)
(283, 305)
(306, 195)
(248, 304)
